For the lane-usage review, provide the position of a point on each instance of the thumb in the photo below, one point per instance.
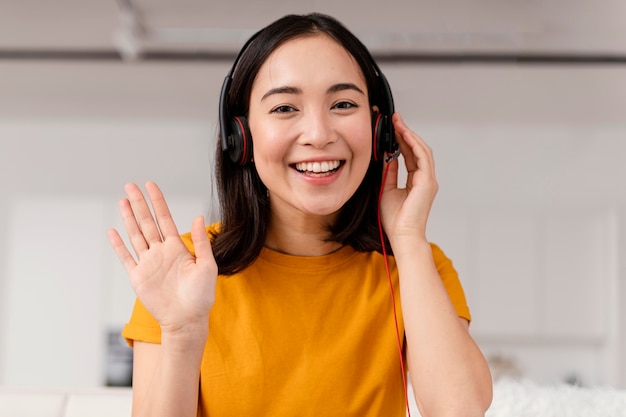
(201, 241)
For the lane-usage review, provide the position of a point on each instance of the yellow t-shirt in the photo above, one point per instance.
(303, 336)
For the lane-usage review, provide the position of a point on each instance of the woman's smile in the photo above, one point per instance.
(318, 169)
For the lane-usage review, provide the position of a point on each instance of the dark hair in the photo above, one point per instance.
(244, 202)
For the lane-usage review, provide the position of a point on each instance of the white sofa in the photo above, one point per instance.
(97, 402)
(512, 398)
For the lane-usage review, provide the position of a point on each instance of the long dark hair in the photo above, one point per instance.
(243, 197)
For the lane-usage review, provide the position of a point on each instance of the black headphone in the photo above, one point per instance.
(237, 140)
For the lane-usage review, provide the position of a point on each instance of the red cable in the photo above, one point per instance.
(393, 301)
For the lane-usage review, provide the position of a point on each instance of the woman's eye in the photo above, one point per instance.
(344, 105)
(283, 109)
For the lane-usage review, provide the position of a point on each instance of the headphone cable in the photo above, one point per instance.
(393, 301)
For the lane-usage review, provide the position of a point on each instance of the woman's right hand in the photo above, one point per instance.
(176, 287)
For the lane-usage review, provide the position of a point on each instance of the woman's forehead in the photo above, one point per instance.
(307, 59)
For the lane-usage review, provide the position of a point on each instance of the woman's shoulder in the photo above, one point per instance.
(211, 230)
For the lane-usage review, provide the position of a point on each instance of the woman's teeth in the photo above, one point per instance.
(317, 167)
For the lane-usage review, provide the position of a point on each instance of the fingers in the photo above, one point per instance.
(141, 226)
(125, 257)
(417, 154)
(144, 221)
(133, 230)
(161, 211)
(145, 230)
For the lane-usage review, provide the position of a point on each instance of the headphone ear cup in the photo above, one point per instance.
(379, 136)
(240, 149)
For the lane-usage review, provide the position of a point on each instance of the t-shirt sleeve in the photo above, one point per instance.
(142, 326)
(451, 282)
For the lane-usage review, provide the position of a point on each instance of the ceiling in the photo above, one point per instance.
(556, 26)
(63, 58)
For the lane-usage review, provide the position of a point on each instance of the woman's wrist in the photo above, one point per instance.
(409, 245)
(185, 336)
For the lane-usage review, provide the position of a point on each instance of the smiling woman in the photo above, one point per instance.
(290, 305)
(527, 129)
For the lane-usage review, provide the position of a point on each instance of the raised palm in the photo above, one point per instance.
(175, 286)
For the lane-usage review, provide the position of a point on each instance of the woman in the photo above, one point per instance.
(300, 319)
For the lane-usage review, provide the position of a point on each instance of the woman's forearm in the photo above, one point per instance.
(449, 374)
(166, 377)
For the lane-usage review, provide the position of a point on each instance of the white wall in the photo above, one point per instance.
(530, 214)
(620, 313)
(531, 208)
(61, 286)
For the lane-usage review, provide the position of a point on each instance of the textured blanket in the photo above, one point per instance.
(523, 398)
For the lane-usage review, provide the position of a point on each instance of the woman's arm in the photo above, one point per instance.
(449, 374)
(178, 290)
(166, 376)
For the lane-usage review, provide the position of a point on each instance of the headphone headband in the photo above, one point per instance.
(236, 138)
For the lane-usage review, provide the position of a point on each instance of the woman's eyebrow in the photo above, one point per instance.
(295, 90)
(344, 86)
(282, 90)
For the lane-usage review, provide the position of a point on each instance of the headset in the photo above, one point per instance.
(235, 133)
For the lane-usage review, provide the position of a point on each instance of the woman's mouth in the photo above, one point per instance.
(320, 169)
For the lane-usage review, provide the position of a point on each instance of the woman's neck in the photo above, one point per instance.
(302, 236)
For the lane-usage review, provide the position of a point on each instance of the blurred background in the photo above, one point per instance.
(523, 103)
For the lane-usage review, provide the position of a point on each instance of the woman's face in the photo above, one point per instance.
(310, 121)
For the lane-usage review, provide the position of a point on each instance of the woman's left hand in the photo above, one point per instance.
(405, 210)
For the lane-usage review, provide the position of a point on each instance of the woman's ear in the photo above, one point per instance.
(374, 114)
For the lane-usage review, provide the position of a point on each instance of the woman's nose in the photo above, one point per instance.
(318, 129)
